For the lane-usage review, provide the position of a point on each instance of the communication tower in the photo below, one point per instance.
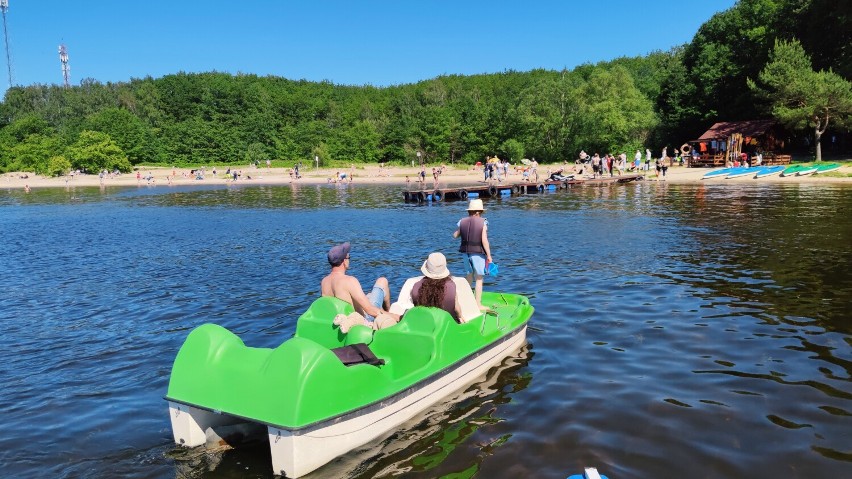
(4, 6)
(66, 69)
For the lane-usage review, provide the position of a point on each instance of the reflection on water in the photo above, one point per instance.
(678, 328)
(426, 446)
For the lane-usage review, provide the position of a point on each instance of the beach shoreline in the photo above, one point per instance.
(362, 175)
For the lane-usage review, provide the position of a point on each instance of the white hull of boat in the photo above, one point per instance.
(298, 452)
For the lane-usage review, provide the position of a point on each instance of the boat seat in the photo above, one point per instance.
(423, 320)
(412, 344)
(358, 334)
(317, 323)
(404, 302)
(403, 351)
(467, 300)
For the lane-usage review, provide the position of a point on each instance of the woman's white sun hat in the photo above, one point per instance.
(435, 266)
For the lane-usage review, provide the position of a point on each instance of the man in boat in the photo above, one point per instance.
(348, 288)
(474, 244)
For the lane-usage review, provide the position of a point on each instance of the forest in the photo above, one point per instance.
(785, 59)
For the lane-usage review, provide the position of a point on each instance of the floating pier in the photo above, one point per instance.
(462, 193)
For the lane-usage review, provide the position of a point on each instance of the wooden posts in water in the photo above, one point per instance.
(515, 189)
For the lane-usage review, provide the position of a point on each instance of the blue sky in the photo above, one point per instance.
(362, 42)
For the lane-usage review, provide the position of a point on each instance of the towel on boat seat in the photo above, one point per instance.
(347, 321)
(466, 299)
(358, 353)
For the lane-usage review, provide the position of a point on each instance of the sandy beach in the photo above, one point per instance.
(362, 175)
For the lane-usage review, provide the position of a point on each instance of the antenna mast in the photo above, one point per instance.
(66, 69)
(4, 6)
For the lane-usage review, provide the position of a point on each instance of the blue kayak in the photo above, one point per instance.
(717, 173)
(769, 171)
(741, 171)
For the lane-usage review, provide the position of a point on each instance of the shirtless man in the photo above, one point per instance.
(348, 288)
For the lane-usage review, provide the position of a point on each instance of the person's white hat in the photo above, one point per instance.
(435, 266)
(476, 205)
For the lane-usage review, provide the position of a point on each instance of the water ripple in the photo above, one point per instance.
(677, 327)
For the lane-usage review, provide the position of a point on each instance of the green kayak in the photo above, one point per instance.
(826, 167)
(315, 407)
(799, 170)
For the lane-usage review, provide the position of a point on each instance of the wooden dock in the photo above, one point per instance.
(463, 193)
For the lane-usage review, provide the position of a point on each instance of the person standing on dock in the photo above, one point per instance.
(596, 165)
(474, 245)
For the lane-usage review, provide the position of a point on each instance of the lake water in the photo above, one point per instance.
(680, 330)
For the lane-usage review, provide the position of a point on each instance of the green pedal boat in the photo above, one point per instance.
(324, 392)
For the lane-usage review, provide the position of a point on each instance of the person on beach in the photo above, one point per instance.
(436, 289)
(347, 288)
(596, 165)
(473, 231)
(647, 159)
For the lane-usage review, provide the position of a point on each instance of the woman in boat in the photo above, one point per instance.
(437, 288)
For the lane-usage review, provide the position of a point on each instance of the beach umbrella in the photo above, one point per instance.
(526, 161)
(494, 160)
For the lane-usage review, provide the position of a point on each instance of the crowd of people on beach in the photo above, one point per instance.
(596, 166)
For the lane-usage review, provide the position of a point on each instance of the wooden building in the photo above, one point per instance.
(725, 143)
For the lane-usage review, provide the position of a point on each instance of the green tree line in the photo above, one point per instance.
(619, 105)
